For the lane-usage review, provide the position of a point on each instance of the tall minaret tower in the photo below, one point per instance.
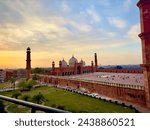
(144, 6)
(95, 60)
(28, 64)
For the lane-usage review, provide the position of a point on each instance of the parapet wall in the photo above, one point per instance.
(121, 70)
(130, 93)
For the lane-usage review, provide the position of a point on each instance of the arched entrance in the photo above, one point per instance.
(79, 70)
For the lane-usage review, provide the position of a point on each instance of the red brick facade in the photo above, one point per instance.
(121, 70)
(144, 6)
(130, 93)
(28, 64)
(76, 68)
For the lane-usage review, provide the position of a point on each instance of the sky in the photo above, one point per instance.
(57, 29)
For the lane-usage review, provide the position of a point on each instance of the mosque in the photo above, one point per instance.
(74, 67)
(137, 94)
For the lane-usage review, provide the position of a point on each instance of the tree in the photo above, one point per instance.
(13, 81)
(38, 70)
(39, 98)
(26, 85)
(26, 97)
(118, 67)
(22, 85)
(16, 95)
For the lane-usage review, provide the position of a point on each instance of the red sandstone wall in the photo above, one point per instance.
(121, 70)
(125, 94)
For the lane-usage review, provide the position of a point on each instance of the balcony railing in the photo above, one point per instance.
(34, 107)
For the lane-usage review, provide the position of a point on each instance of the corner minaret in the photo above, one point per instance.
(28, 64)
(144, 6)
(95, 60)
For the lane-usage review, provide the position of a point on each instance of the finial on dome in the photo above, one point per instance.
(28, 48)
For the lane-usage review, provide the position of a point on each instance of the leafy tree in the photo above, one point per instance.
(22, 85)
(118, 67)
(38, 70)
(13, 81)
(26, 97)
(16, 94)
(39, 98)
(26, 85)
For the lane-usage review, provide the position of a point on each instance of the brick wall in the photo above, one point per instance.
(136, 96)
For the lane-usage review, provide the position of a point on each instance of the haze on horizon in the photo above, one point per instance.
(55, 29)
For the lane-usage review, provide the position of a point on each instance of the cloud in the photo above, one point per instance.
(93, 14)
(118, 23)
(65, 7)
(133, 33)
(127, 4)
(54, 29)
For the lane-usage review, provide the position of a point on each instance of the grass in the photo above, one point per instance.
(5, 84)
(14, 108)
(73, 102)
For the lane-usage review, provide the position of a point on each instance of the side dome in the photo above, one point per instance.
(82, 62)
(72, 61)
(64, 63)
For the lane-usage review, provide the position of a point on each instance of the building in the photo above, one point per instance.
(73, 67)
(6, 75)
(2, 76)
(135, 94)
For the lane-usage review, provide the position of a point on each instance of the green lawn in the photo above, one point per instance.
(73, 102)
(5, 84)
(14, 108)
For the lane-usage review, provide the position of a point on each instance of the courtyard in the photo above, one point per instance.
(120, 78)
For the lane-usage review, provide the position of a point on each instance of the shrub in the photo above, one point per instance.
(16, 94)
(39, 98)
(61, 107)
(26, 85)
(26, 97)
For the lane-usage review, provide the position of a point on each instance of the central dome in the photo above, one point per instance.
(72, 61)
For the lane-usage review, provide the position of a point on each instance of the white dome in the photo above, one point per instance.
(72, 61)
(64, 63)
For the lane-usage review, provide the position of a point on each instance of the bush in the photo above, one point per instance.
(110, 100)
(123, 104)
(26, 85)
(16, 94)
(39, 98)
(116, 102)
(26, 97)
(61, 107)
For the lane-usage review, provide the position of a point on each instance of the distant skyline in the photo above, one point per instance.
(57, 29)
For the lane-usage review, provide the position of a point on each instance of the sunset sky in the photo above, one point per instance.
(57, 29)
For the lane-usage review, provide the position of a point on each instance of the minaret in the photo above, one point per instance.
(95, 60)
(60, 67)
(144, 6)
(92, 65)
(53, 67)
(28, 64)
